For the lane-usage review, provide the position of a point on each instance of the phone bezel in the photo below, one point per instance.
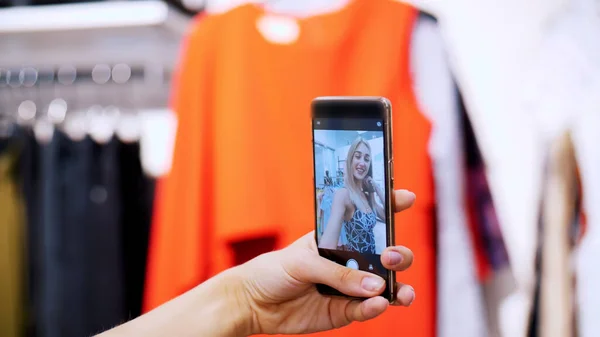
(358, 107)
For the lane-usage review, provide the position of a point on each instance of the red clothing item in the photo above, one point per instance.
(242, 165)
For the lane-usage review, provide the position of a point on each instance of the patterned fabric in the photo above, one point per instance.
(359, 232)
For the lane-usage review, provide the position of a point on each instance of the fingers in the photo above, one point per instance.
(346, 280)
(403, 199)
(397, 258)
(344, 312)
(365, 310)
(368, 309)
(405, 295)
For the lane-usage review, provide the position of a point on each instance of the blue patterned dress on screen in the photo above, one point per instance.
(360, 236)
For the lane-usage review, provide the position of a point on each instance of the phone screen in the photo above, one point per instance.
(350, 175)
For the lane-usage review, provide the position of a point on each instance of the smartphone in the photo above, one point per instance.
(353, 184)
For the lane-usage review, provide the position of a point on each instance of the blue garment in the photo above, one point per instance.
(325, 206)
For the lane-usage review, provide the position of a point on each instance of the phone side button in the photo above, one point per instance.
(391, 171)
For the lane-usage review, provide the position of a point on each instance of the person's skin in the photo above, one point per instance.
(371, 186)
(275, 293)
(343, 208)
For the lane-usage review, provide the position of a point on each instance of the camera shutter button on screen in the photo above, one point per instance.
(352, 264)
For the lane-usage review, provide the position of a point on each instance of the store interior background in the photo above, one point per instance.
(333, 147)
(528, 73)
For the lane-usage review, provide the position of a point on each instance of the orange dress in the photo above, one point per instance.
(242, 166)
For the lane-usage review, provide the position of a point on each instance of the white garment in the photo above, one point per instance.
(587, 137)
(460, 303)
(157, 140)
(555, 309)
(568, 87)
(493, 46)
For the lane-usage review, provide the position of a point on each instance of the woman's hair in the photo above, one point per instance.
(353, 186)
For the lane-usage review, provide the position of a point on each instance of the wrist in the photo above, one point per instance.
(223, 301)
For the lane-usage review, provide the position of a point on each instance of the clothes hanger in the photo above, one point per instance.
(75, 124)
(103, 121)
(34, 111)
(286, 7)
(128, 125)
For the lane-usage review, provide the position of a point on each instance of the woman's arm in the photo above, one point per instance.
(213, 308)
(331, 235)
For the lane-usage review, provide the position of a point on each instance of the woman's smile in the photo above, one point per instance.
(361, 169)
(361, 161)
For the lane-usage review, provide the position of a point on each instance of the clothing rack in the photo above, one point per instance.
(26, 77)
(86, 34)
(97, 69)
(88, 54)
(131, 85)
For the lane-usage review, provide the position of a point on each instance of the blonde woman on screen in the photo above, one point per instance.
(354, 206)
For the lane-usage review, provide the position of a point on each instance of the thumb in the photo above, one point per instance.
(349, 281)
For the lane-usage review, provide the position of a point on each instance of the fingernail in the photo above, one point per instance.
(406, 191)
(394, 257)
(372, 283)
(414, 196)
(411, 297)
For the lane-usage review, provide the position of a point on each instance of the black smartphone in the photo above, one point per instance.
(353, 184)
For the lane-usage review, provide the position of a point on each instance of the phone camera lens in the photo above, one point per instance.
(378, 123)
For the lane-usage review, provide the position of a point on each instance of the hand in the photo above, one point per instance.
(369, 185)
(275, 293)
(279, 287)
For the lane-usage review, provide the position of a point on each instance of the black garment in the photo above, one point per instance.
(50, 291)
(137, 195)
(89, 209)
(105, 300)
(3, 144)
(30, 181)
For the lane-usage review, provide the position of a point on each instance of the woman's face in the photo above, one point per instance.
(361, 162)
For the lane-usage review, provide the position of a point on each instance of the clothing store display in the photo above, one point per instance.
(83, 105)
(244, 89)
(114, 201)
(80, 232)
(12, 247)
(88, 211)
(545, 65)
(460, 309)
(506, 131)
(573, 95)
(559, 213)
